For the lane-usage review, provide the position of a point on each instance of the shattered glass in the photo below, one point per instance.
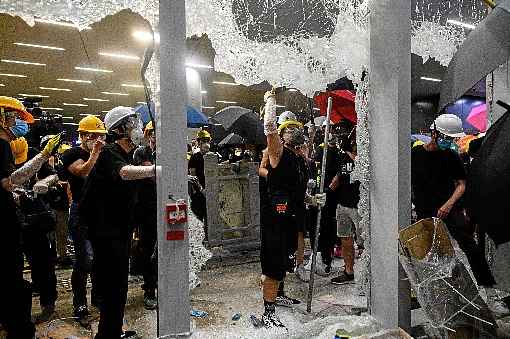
(442, 281)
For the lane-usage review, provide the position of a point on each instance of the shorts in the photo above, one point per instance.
(347, 221)
(278, 240)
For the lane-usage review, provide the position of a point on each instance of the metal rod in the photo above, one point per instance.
(321, 190)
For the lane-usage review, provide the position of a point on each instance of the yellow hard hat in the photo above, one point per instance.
(91, 124)
(289, 123)
(15, 104)
(202, 134)
(19, 148)
(148, 127)
(418, 143)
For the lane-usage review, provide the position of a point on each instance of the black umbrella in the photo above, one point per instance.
(229, 115)
(489, 182)
(486, 48)
(243, 122)
(231, 140)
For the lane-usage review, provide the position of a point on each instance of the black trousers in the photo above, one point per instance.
(111, 266)
(327, 231)
(15, 293)
(41, 253)
(148, 238)
(462, 232)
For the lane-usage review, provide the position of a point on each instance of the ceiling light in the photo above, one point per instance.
(459, 23)
(84, 115)
(226, 102)
(91, 69)
(33, 95)
(91, 99)
(145, 36)
(70, 118)
(203, 92)
(225, 83)
(115, 93)
(208, 107)
(281, 106)
(56, 89)
(23, 62)
(430, 79)
(198, 65)
(120, 56)
(134, 86)
(51, 108)
(2, 85)
(76, 80)
(70, 123)
(13, 75)
(79, 105)
(40, 46)
(105, 111)
(59, 23)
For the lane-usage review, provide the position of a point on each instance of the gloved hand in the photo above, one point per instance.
(41, 187)
(319, 200)
(52, 145)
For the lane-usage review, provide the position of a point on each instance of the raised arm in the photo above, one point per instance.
(274, 143)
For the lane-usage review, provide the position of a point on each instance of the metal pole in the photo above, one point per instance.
(321, 190)
(173, 240)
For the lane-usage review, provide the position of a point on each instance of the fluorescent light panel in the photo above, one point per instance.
(120, 56)
(91, 69)
(52, 108)
(225, 83)
(69, 118)
(281, 106)
(115, 93)
(70, 123)
(2, 85)
(92, 99)
(461, 24)
(56, 89)
(76, 80)
(39, 46)
(78, 105)
(13, 75)
(130, 85)
(34, 95)
(226, 102)
(208, 107)
(105, 111)
(189, 64)
(84, 115)
(430, 79)
(145, 36)
(22, 62)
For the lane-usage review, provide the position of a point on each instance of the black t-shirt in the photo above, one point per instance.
(347, 192)
(197, 162)
(7, 166)
(147, 195)
(433, 176)
(76, 182)
(107, 204)
(332, 163)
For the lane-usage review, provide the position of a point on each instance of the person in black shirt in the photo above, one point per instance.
(286, 184)
(107, 207)
(77, 164)
(196, 168)
(15, 292)
(438, 182)
(146, 219)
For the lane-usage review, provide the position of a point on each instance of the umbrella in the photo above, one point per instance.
(478, 117)
(229, 115)
(489, 182)
(420, 137)
(463, 142)
(231, 140)
(195, 117)
(343, 105)
(485, 48)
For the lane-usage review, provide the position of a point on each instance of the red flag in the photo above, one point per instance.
(343, 105)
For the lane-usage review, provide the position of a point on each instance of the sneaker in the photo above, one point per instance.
(271, 320)
(47, 314)
(129, 335)
(302, 273)
(343, 278)
(150, 301)
(322, 269)
(283, 300)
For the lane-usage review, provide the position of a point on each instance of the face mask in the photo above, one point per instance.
(445, 144)
(136, 136)
(205, 147)
(294, 137)
(89, 144)
(20, 129)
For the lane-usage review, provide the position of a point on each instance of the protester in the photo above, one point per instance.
(146, 218)
(107, 208)
(16, 294)
(438, 184)
(196, 168)
(286, 184)
(78, 163)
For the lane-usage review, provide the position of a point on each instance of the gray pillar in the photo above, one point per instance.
(390, 127)
(500, 91)
(173, 255)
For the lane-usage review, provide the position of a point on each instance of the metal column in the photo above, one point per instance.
(390, 126)
(173, 255)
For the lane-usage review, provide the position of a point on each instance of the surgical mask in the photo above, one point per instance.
(294, 137)
(20, 129)
(205, 147)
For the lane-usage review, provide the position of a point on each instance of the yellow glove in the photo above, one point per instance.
(52, 145)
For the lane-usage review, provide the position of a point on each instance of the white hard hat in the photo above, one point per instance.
(450, 125)
(287, 115)
(116, 115)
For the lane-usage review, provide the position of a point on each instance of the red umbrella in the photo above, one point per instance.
(343, 105)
